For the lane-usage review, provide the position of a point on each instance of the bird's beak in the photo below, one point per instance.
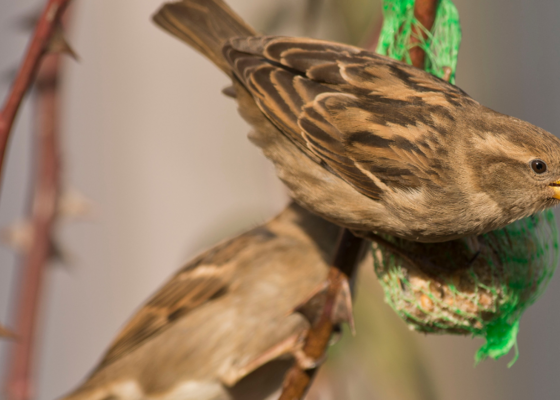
(556, 187)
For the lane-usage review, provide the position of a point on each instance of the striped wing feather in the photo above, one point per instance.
(205, 278)
(375, 122)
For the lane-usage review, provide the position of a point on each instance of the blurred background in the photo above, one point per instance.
(163, 158)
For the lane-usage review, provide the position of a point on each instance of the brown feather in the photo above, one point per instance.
(204, 25)
(324, 86)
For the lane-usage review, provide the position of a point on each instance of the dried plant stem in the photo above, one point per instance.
(298, 379)
(19, 385)
(43, 32)
(425, 13)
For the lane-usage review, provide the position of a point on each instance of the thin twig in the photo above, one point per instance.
(298, 379)
(425, 13)
(19, 384)
(45, 27)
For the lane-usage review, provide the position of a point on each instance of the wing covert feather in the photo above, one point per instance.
(205, 278)
(368, 118)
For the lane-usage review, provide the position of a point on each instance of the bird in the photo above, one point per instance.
(226, 326)
(371, 143)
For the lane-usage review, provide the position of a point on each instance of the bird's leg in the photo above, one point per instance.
(472, 244)
(291, 345)
(314, 309)
(392, 248)
(421, 264)
(431, 269)
(341, 312)
(475, 245)
(335, 309)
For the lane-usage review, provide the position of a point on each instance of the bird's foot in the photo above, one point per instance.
(313, 306)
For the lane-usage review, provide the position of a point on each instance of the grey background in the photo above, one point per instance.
(163, 157)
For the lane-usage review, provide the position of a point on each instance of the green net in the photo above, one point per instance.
(441, 46)
(478, 285)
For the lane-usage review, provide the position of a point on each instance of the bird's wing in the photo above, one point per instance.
(204, 279)
(374, 121)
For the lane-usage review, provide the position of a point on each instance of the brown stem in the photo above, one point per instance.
(19, 384)
(298, 379)
(425, 13)
(26, 73)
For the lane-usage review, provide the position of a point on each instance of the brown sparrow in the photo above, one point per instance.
(371, 143)
(225, 326)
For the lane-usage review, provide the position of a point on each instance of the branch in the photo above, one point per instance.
(43, 32)
(19, 384)
(298, 379)
(425, 13)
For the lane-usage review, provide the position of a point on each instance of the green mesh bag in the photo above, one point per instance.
(477, 285)
(441, 46)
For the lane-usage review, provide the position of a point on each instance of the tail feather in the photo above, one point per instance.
(204, 25)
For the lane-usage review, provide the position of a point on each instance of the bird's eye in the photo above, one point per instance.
(538, 166)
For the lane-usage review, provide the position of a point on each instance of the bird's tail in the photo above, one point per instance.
(204, 25)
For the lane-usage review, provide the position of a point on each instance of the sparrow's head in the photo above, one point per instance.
(517, 164)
